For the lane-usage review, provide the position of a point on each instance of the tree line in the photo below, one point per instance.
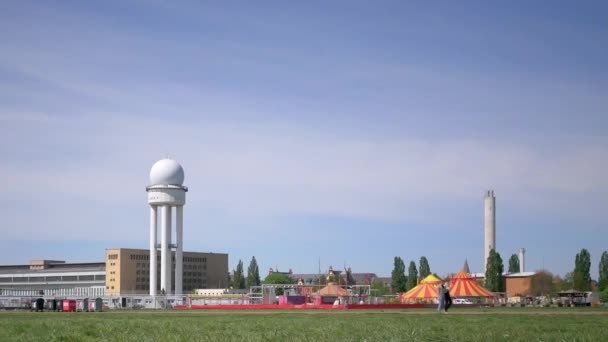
(240, 281)
(403, 283)
(543, 282)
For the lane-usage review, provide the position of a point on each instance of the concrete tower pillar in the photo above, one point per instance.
(165, 251)
(522, 260)
(166, 190)
(153, 224)
(179, 250)
(169, 265)
(489, 225)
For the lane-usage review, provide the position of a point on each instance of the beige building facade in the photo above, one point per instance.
(128, 271)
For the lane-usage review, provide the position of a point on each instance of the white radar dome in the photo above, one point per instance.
(166, 172)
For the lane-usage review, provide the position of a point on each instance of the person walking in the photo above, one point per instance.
(446, 297)
(440, 298)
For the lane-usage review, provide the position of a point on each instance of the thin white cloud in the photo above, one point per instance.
(270, 170)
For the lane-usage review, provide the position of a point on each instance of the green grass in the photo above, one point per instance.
(405, 325)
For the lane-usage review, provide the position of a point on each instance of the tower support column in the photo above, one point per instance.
(165, 251)
(153, 224)
(179, 250)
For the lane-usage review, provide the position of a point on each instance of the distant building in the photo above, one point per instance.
(53, 278)
(128, 271)
(314, 278)
(288, 273)
(518, 284)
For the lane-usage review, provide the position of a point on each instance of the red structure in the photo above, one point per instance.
(69, 305)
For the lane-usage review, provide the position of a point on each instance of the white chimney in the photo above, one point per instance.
(489, 225)
(522, 260)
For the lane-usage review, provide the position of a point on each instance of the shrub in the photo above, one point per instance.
(604, 295)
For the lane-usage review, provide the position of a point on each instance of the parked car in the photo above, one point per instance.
(462, 301)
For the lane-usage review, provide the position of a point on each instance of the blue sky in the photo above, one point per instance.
(345, 131)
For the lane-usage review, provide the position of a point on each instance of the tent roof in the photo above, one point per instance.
(332, 290)
(462, 275)
(463, 285)
(431, 279)
(422, 291)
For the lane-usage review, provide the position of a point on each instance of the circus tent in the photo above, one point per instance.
(427, 289)
(332, 290)
(463, 285)
(431, 279)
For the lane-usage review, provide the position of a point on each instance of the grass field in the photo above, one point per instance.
(405, 325)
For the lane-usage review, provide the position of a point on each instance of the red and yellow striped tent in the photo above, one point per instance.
(463, 285)
(427, 289)
(431, 279)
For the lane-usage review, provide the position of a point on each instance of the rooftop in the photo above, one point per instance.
(53, 268)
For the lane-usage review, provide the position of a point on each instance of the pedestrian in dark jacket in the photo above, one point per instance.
(447, 299)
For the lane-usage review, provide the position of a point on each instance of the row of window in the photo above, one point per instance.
(191, 259)
(187, 274)
(52, 278)
(147, 258)
(146, 281)
(186, 266)
(141, 257)
(186, 287)
(142, 280)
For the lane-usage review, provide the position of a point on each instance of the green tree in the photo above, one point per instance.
(603, 279)
(238, 278)
(568, 282)
(398, 278)
(253, 273)
(412, 276)
(425, 269)
(582, 265)
(542, 284)
(494, 272)
(514, 263)
(604, 295)
(277, 278)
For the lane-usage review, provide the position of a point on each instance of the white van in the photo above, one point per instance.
(462, 301)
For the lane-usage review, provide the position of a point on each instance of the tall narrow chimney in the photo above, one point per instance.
(489, 203)
(522, 260)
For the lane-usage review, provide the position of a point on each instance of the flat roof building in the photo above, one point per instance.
(128, 271)
(124, 272)
(53, 278)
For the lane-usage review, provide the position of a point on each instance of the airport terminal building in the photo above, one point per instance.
(53, 278)
(128, 271)
(124, 272)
